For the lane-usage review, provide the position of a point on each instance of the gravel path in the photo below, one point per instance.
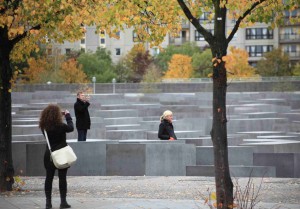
(275, 190)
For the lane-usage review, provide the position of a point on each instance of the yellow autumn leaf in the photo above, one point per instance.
(9, 20)
(213, 196)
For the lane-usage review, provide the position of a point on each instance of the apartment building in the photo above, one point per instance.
(256, 40)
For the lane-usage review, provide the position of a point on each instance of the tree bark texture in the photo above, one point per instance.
(6, 162)
(224, 186)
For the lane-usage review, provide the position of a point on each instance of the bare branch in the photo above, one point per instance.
(238, 22)
(21, 36)
(207, 35)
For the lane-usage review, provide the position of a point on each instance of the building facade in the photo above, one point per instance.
(256, 40)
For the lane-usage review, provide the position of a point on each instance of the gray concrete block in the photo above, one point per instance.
(35, 159)
(125, 134)
(235, 171)
(237, 155)
(118, 113)
(125, 159)
(91, 159)
(19, 158)
(179, 134)
(122, 121)
(287, 164)
(151, 159)
(169, 159)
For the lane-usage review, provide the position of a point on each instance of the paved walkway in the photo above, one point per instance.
(121, 192)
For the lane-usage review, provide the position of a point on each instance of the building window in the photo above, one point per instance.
(205, 17)
(290, 34)
(102, 40)
(118, 34)
(291, 14)
(82, 41)
(82, 49)
(291, 50)
(118, 51)
(135, 37)
(259, 33)
(68, 51)
(258, 50)
(199, 36)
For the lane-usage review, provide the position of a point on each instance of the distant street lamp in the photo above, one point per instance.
(49, 82)
(114, 85)
(94, 84)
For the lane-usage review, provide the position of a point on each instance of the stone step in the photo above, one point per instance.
(179, 134)
(274, 146)
(126, 134)
(237, 155)
(28, 137)
(254, 124)
(286, 164)
(131, 106)
(118, 113)
(232, 140)
(123, 127)
(235, 171)
(121, 121)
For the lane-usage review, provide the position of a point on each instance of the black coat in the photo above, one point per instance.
(166, 130)
(83, 120)
(57, 138)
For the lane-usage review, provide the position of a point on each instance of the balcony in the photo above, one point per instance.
(294, 55)
(289, 38)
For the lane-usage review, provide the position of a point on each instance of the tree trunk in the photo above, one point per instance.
(224, 186)
(6, 163)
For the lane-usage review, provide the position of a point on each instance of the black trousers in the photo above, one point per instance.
(50, 172)
(82, 134)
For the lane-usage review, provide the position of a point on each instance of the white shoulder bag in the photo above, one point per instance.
(62, 158)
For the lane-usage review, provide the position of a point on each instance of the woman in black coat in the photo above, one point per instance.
(51, 121)
(166, 129)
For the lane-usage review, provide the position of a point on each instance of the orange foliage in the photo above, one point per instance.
(179, 67)
(37, 70)
(70, 72)
(236, 63)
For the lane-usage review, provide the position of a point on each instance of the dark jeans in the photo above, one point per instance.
(82, 134)
(50, 171)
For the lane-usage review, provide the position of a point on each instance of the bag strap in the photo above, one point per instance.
(46, 136)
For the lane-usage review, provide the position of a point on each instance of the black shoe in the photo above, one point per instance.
(64, 205)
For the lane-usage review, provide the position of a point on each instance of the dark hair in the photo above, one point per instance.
(50, 117)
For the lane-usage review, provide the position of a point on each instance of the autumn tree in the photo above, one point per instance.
(71, 72)
(24, 22)
(274, 63)
(137, 60)
(38, 70)
(122, 71)
(237, 65)
(164, 57)
(242, 12)
(296, 70)
(179, 67)
(201, 62)
(98, 64)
